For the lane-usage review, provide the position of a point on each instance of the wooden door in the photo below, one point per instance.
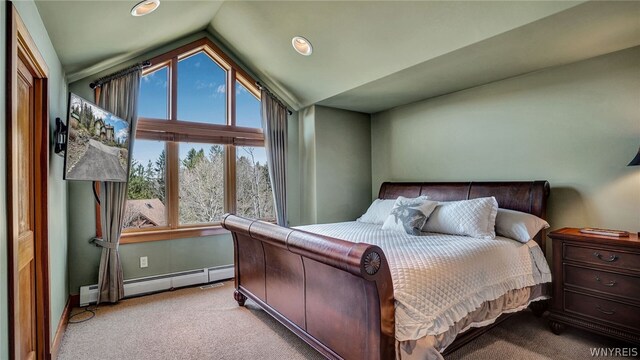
(27, 155)
(25, 299)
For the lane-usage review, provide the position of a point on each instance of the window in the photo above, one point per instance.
(154, 94)
(201, 179)
(146, 204)
(247, 108)
(199, 148)
(202, 90)
(253, 188)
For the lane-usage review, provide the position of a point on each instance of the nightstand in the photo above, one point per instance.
(596, 284)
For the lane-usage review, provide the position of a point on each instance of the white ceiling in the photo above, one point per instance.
(368, 55)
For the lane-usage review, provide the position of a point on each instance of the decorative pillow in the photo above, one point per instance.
(378, 211)
(409, 214)
(518, 225)
(475, 217)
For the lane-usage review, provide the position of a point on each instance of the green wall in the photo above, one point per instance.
(293, 170)
(576, 125)
(307, 167)
(57, 187)
(335, 164)
(343, 160)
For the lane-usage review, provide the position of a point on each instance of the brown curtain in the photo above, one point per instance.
(274, 125)
(120, 97)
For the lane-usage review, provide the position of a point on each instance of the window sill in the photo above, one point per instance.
(133, 237)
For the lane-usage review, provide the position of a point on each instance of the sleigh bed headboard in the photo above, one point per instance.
(525, 196)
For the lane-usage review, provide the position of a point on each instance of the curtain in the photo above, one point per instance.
(120, 97)
(274, 124)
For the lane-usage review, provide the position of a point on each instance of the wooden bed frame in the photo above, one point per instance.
(337, 295)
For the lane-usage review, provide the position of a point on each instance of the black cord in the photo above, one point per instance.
(95, 193)
(87, 309)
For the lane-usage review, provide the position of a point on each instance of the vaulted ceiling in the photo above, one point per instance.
(93, 35)
(368, 55)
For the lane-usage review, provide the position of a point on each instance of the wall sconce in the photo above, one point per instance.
(60, 137)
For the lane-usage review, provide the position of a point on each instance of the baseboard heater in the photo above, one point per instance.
(152, 284)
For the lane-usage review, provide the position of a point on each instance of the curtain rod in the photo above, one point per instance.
(262, 87)
(117, 74)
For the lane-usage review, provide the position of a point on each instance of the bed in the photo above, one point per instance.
(333, 284)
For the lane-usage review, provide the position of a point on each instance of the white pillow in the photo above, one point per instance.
(475, 217)
(409, 215)
(378, 211)
(518, 225)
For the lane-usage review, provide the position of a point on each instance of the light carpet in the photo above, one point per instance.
(196, 323)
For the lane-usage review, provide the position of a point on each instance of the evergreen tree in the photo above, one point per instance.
(149, 171)
(140, 186)
(161, 176)
(215, 151)
(193, 158)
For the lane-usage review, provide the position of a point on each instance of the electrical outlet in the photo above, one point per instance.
(144, 262)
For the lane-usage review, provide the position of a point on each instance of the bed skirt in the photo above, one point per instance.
(431, 346)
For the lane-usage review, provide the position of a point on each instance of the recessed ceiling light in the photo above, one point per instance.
(302, 45)
(145, 7)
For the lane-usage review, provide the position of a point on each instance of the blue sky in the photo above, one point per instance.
(152, 101)
(120, 127)
(201, 98)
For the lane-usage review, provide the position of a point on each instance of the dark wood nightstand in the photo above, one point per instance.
(596, 284)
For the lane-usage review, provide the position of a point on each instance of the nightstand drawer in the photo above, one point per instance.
(598, 256)
(604, 281)
(606, 310)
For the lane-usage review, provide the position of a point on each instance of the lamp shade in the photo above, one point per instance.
(636, 160)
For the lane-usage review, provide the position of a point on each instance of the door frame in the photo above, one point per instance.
(21, 45)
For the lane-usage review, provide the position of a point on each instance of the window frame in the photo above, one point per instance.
(172, 131)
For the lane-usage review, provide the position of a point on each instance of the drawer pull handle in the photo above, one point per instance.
(611, 283)
(607, 312)
(610, 259)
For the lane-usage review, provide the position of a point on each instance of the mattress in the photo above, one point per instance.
(439, 279)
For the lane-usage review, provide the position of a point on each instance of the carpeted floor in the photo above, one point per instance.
(196, 323)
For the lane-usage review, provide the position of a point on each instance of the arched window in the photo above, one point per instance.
(199, 148)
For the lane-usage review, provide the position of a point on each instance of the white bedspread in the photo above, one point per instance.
(439, 279)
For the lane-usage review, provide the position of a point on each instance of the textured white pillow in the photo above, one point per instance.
(409, 215)
(475, 217)
(378, 211)
(518, 225)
